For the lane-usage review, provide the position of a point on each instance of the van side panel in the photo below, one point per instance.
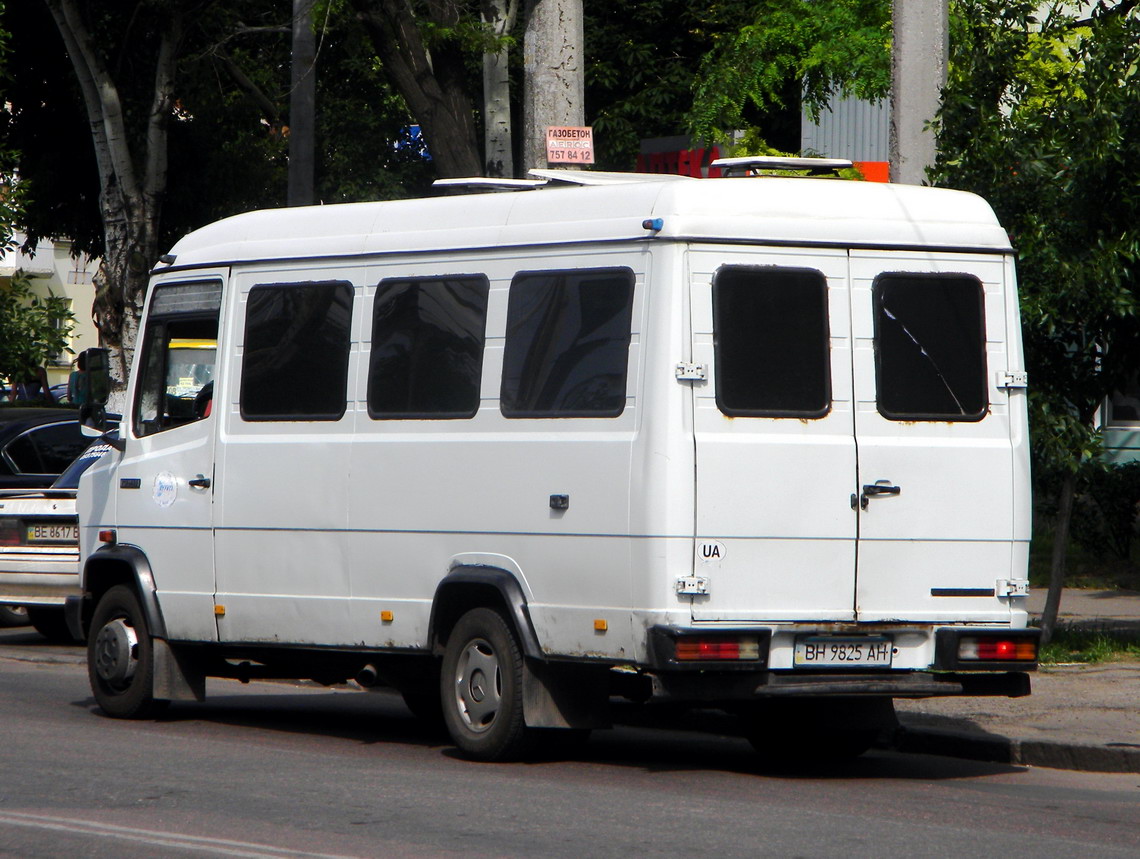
(663, 480)
(425, 496)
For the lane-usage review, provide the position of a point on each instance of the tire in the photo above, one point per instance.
(120, 657)
(481, 688)
(51, 624)
(13, 615)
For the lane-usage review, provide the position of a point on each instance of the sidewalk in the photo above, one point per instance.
(1082, 717)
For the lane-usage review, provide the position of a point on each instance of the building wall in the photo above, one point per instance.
(54, 271)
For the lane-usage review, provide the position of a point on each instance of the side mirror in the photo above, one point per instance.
(96, 369)
(90, 390)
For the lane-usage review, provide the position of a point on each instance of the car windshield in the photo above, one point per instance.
(69, 479)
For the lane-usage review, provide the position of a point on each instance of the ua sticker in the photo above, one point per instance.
(165, 489)
(710, 552)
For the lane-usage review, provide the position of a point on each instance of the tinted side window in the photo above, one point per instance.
(295, 363)
(48, 449)
(427, 347)
(930, 347)
(567, 346)
(771, 342)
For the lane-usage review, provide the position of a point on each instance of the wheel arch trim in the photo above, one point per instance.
(456, 592)
(118, 564)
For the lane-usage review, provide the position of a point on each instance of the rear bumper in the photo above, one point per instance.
(712, 687)
(38, 581)
(929, 662)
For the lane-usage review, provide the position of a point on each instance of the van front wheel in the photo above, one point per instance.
(481, 688)
(120, 657)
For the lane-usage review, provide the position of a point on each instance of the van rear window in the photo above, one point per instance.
(930, 347)
(427, 347)
(295, 359)
(567, 348)
(771, 342)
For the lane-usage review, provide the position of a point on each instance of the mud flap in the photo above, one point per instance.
(174, 680)
(565, 696)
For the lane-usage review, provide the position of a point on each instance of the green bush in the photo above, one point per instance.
(1105, 511)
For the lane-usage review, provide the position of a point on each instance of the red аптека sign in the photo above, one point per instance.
(569, 145)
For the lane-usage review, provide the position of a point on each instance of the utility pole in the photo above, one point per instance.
(919, 56)
(302, 106)
(554, 82)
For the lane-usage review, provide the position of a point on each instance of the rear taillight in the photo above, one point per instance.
(717, 649)
(1004, 649)
(10, 532)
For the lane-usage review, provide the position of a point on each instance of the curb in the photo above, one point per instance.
(1112, 758)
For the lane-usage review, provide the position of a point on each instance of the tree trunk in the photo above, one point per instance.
(1060, 547)
(499, 16)
(432, 85)
(553, 65)
(130, 208)
(302, 106)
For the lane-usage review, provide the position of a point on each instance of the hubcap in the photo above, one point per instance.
(116, 652)
(478, 685)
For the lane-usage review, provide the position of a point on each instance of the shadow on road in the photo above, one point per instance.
(372, 721)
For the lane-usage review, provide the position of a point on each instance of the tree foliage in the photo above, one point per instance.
(33, 328)
(138, 120)
(813, 48)
(642, 59)
(1041, 115)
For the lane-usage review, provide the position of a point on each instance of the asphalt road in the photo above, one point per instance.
(282, 770)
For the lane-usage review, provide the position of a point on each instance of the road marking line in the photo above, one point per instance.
(159, 839)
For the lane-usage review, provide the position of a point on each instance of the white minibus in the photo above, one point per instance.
(602, 442)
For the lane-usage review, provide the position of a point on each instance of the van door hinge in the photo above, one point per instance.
(1012, 379)
(692, 585)
(691, 372)
(1012, 588)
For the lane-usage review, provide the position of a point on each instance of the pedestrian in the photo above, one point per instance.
(79, 383)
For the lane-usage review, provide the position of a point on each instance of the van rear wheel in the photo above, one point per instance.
(481, 688)
(120, 657)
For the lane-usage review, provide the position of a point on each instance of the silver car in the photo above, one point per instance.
(39, 549)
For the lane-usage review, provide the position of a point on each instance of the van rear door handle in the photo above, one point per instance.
(200, 482)
(870, 490)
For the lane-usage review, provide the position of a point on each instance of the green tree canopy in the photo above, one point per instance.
(788, 49)
(32, 328)
(1041, 115)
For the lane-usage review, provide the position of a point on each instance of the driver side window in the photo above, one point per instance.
(179, 356)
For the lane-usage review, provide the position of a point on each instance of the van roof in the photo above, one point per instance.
(766, 210)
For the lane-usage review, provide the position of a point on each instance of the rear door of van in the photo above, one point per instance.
(856, 457)
(938, 445)
(774, 428)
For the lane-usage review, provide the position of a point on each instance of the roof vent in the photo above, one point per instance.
(754, 165)
(486, 183)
